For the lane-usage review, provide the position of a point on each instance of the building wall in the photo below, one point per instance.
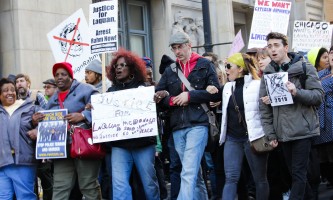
(24, 47)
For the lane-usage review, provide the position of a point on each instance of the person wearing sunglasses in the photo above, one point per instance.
(128, 71)
(241, 124)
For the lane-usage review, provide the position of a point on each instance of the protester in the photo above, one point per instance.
(128, 71)
(240, 124)
(318, 57)
(188, 120)
(175, 166)
(93, 74)
(294, 135)
(73, 95)
(324, 142)
(17, 156)
(50, 87)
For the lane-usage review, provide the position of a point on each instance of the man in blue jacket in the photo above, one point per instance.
(188, 120)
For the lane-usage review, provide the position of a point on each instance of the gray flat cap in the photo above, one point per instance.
(179, 38)
(95, 66)
(50, 81)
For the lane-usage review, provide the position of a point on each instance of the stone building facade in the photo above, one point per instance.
(144, 27)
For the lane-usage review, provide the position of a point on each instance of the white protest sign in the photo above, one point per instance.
(268, 16)
(124, 114)
(309, 34)
(277, 90)
(103, 24)
(237, 44)
(70, 42)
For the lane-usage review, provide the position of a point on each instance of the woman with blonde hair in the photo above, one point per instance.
(241, 124)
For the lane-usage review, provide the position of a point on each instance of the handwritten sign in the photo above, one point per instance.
(52, 135)
(268, 16)
(70, 42)
(124, 115)
(237, 44)
(277, 90)
(310, 34)
(103, 24)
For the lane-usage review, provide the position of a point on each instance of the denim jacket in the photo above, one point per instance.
(193, 114)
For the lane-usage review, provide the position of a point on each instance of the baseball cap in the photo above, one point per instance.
(179, 38)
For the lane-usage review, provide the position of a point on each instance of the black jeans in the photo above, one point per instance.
(296, 154)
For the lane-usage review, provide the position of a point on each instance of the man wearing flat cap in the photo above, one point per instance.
(188, 120)
(93, 74)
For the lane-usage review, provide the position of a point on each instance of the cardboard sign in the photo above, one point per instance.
(70, 42)
(310, 34)
(124, 115)
(237, 44)
(268, 16)
(103, 25)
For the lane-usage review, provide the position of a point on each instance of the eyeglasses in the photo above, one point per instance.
(48, 87)
(180, 47)
(122, 65)
(228, 66)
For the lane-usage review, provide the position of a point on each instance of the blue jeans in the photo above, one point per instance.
(234, 150)
(18, 179)
(122, 164)
(190, 144)
(175, 169)
(296, 154)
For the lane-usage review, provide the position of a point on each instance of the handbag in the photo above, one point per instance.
(260, 145)
(82, 145)
(213, 132)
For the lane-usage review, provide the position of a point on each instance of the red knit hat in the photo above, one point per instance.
(65, 65)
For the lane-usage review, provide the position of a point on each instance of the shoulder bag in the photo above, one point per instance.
(213, 132)
(260, 145)
(82, 145)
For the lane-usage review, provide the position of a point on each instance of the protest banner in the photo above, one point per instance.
(103, 25)
(268, 16)
(277, 90)
(124, 114)
(310, 34)
(70, 42)
(52, 135)
(237, 44)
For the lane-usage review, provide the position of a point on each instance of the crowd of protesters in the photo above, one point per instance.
(301, 133)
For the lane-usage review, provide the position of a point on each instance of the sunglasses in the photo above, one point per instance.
(228, 66)
(48, 87)
(122, 65)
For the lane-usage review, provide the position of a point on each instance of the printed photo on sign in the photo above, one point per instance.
(70, 42)
(124, 114)
(52, 135)
(277, 90)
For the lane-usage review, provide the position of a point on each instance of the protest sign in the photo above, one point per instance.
(237, 44)
(268, 16)
(277, 90)
(70, 42)
(52, 135)
(103, 25)
(124, 114)
(310, 34)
